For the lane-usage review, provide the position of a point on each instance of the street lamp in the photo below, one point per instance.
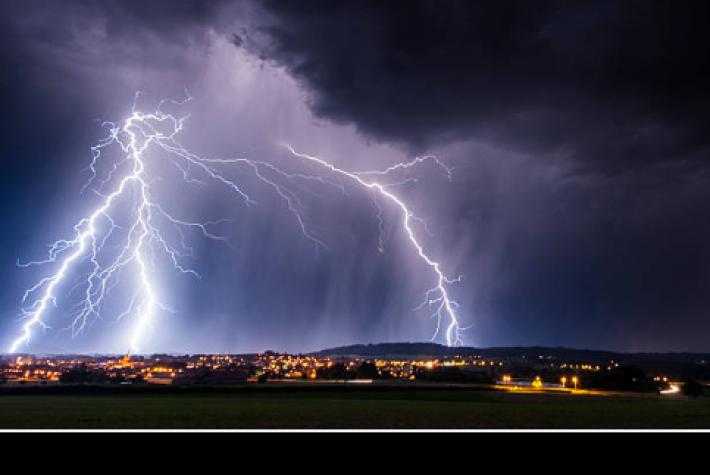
(574, 381)
(564, 380)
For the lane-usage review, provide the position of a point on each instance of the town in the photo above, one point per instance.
(504, 372)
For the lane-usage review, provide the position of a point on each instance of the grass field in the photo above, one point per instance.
(346, 407)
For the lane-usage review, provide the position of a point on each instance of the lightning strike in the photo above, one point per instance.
(438, 296)
(136, 136)
(137, 240)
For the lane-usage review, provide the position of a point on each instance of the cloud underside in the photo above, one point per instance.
(613, 84)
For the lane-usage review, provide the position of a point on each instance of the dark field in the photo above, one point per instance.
(341, 407)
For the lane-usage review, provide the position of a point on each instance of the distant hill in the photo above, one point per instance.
(409, 350)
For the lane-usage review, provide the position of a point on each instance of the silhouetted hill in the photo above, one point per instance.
(410, 350)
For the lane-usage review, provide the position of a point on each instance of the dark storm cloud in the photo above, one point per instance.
(47, 46)
(617, 83)
(176, 19)
(601, 231)
(577, 214)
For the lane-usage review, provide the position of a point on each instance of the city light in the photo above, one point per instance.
(673, 389)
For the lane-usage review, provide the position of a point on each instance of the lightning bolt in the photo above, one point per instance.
(438, 296)
(142, 236)
(138, 134)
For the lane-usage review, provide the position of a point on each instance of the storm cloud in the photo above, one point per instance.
(616, 83)
(579, 210)
(604, 220)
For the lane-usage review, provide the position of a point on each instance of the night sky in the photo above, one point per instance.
(579, 134)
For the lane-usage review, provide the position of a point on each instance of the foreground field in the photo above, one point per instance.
(346, 407)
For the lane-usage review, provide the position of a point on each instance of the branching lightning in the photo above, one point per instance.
(139, 233)
(438, 296)
(135, 136)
